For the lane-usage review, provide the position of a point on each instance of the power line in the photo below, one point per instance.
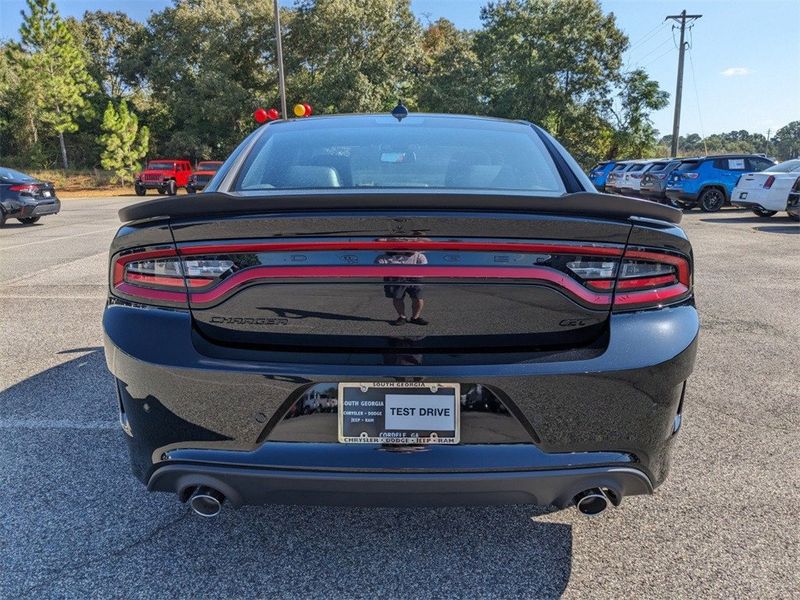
(647, 36)
(659, 57)
(661, 45)
(683, 19)
(697, 99)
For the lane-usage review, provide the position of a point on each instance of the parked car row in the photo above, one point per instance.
(166, 175)
(707, 182)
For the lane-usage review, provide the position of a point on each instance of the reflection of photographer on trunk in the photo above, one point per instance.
(398, 291)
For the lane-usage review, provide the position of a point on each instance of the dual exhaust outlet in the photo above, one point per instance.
(207, 502)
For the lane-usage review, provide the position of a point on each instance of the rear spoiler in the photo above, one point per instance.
(589, 204)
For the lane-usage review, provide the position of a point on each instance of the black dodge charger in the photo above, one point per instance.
(400, 309)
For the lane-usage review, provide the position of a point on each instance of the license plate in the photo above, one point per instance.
(46, 194)
(399, 413)
(742, 195)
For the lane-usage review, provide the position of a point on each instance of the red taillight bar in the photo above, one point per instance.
(398, 271)
(626, 292)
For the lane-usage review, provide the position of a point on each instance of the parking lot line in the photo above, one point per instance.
(56, 239)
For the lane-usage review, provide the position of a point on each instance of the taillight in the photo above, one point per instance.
(768, 183)
(691, 175)
(796, 186)
(644, 278)
(651, 278)
(159, 276)
(24, 189)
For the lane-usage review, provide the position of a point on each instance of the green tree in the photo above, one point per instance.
(448, 77)
(633, 133)
(787, 141)
(124, 142)
(208, 64)
(554, 62)
(53, 68)
(108, 38)
(353, 56)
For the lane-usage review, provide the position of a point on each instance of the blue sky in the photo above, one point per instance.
(746, 54)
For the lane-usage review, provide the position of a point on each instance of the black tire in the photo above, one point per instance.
(761, 212)
(140, 190)
(172, 189)
(29, 220)
(190, 190)
(711, 200)
(2, 217)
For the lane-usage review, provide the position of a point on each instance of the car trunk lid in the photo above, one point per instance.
(332, 272)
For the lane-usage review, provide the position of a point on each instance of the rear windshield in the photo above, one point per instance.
(417, 152)
(12, 175)
(619, 167)
(599, 166)
(789, 166)
(658, 166)
(636, 167)
(689, 165)
(162, 166)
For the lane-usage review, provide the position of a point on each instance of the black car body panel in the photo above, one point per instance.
(26, 198)
(227, 365)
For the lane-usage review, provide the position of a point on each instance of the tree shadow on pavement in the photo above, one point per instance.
(79, 525)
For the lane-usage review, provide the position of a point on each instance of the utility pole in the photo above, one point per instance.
(683, 19)
(279, 46)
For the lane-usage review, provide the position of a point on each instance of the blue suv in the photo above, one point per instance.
(708, 181)
(599, 173)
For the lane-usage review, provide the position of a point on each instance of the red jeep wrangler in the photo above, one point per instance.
(165, 175)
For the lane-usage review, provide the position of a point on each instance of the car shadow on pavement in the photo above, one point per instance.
(79, 525)
(17, 225)
(790, 229)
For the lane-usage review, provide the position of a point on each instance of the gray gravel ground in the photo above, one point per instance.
(75, 524)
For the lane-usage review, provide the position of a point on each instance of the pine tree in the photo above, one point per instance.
(53, 68)
(124, 143)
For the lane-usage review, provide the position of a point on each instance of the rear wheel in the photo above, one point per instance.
(140, 189)
(29, 220)
(2, 217)
(711, 200)
(761, 212)
(172, 189)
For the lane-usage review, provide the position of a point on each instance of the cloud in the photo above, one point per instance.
(736, 72)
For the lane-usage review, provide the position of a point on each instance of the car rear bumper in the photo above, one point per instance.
(254, 486)
(194, 418)
(653, 193)
(153, 185)
(15, 209)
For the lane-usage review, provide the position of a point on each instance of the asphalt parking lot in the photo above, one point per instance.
(76, 524)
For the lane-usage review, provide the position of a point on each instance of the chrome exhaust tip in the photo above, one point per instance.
(206, 501)
(591, 502)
